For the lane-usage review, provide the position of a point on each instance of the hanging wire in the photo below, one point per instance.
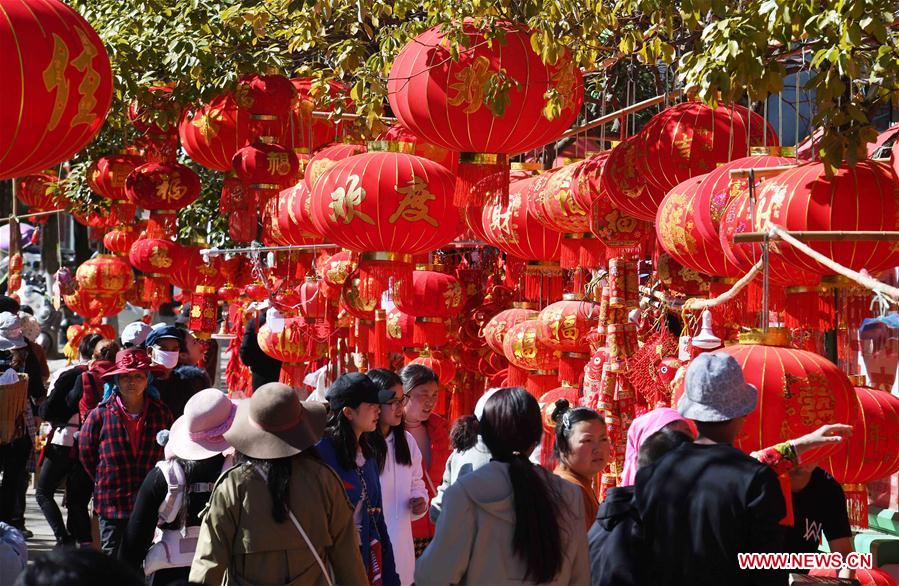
(796, 99)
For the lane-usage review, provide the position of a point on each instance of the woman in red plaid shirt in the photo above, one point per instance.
(117, 443)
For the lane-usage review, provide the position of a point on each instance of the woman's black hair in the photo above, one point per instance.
(565, 419)
(277, 472)
(511, 427)
(414, 375)
(87, 345)
(659, 444)
(68, 566)
(464, 433)
(387, 379)
(340, 431)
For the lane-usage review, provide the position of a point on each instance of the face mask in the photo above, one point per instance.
(164, 358)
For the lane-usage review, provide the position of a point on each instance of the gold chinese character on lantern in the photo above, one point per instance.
(208, 123)
(89, 83)
(452, 297)
(414, 205)
(170, 188)
(568, 327)
(159, 258)
(278, 163)
(471, 85)
(345, 200)
(55, 79)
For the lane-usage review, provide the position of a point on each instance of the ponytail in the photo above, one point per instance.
(464, 433)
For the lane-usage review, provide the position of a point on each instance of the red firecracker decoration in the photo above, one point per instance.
(58, 85)
(444, 101)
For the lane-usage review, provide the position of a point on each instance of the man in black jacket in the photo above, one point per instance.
(705, 501)
(263, 367)
(176, 383)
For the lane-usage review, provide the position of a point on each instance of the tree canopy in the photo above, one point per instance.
(629, 50)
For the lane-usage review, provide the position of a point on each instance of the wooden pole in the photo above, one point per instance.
(760, 172)
(823, 236)
(612, 116)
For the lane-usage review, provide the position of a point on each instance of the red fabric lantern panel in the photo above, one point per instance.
(89, 306)
(295, 216)
(57, 85)
(855, 198)
(691, 138)
(679, 236)
(306, 132)
(326, 158)
(564, 325)
(442, 100)
(194, 270)
(107, 175)
(433, 294)
(514, 230)
(164, 187)
(626, 186)
(386, 202)
(555, 206)
(104, 276)
(524, 348)
(872, 451)
(213, 133)
(154, 256)
(798, 392)
(120, 241)
(495, 330)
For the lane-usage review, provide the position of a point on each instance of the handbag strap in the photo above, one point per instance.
(299, 526)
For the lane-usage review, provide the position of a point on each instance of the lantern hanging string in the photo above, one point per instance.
(699, 303)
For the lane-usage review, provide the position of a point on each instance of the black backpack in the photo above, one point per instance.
(56, 409)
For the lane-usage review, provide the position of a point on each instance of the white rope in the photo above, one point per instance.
(700, 303)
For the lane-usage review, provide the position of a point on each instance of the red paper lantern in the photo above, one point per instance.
(432, 294)
(360, 300)
(443, 99)
(691, 138)
(524, 349)
(305, 132)
(294, 216)
(195, 270)
(154, 255)
(107, 175)
(104, 276)
(386, 202)
(295, 346)
(625, 185)
(443, 367)
(495, 330)
(408, 332)
(89, 306)
(212, 134)
(58, 85)
(266, 166)
(335, 271)
(564, 325)
(516, 231)
(398, 137)
(798, 392)
(855, 198)
(313, 304)
(326, 158)
(41, 193)
(119, 241)
(162, 187)
(266, 95)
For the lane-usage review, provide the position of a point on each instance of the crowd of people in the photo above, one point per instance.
(372, 487)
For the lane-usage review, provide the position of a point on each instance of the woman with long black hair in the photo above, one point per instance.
(403, 490)
(348, 449)
(508, 521)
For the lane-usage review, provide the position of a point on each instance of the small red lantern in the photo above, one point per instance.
(335, 271)
(89, 306)
(58, 85)
(625, 185)
(443, 367)
(443, 99)
(676, 277)
(154, 255)
(295, 346)
(266, 95)
(196, 270)
(269, 167)
(119, 241)
(107, 175)
(104, 276)
(162, 187)
(326, 158)
(213, 133)
(432, 294)
(523, 348)
(564, 326)
(41, 193)
(306, 133)
(293, 216)
(495, 330)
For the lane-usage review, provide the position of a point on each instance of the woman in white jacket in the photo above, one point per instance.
(403, 491)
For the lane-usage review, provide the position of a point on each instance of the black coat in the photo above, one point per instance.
(263, 367)
(615, 541)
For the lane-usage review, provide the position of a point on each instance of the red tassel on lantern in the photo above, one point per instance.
(543, 281)
(379, 341)
(516, 376)
(571, 368)
(541, 381)
(481, 174)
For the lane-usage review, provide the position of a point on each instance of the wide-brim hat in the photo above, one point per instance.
(11, 336)
(199, 433)
(715, 390)
(131, 360)
(274, 423)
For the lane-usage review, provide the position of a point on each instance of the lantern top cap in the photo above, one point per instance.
(773, 151)
(773, 337)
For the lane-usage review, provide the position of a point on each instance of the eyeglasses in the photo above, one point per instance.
(396, 402)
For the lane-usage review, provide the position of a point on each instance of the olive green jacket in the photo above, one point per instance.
(240, 543)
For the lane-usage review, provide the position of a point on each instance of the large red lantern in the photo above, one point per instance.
(625, 184)
(443, 99)
(162, 187)
(104, 276)
(326, 158)
(306, 132)
(799, 391)
(213, 133)
(405, 332)
(89, 306)
(58, 85)
(856, 198)
(334, 272)
(514, 230)
(691, 138)
(386, 202)
(432, 294)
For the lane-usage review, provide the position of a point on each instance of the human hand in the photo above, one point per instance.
(823, 436)
(418, 505)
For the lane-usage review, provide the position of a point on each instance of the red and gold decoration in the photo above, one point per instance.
(41, 193)
(564, 326)
(326, 158)
(294, 346)
(213, 133)
(163, 188)
(305, 132)
(104, 276)
(443, 100)
(58, 85)
(524, 348)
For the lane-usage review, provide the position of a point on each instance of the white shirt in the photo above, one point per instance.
(399, 485)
